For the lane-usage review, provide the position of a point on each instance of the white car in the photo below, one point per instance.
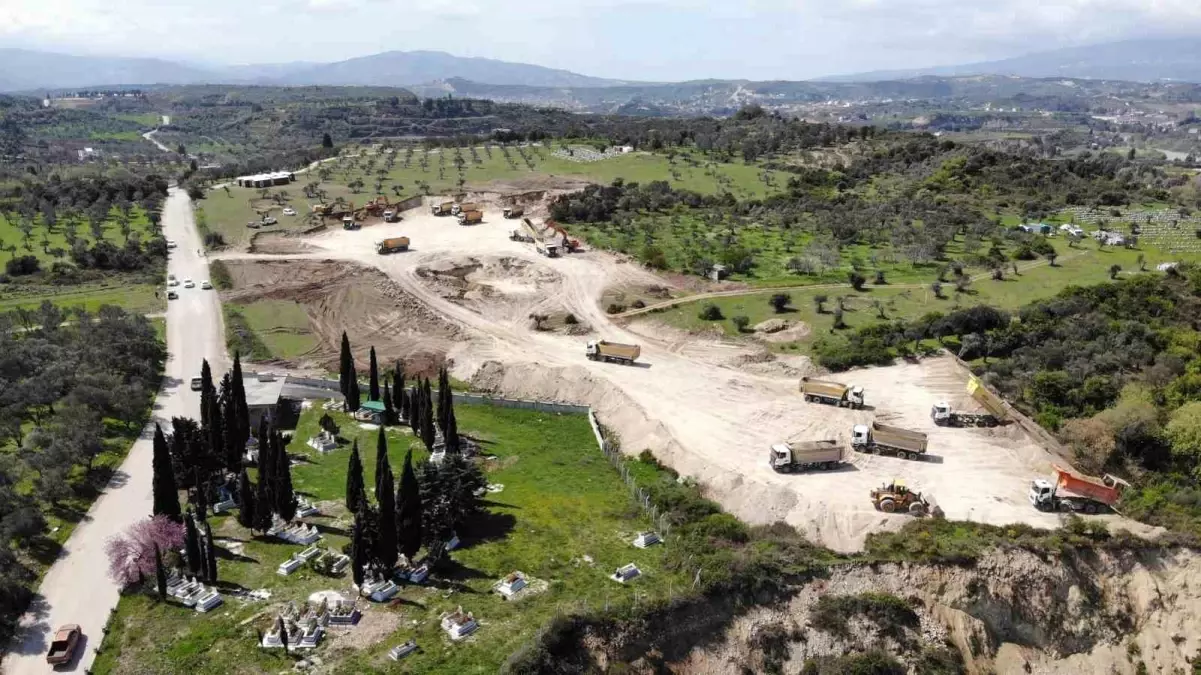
(206, 285)
(173, 282)
(170, 244)
(269, 220)
(188, 283)
(289, 211)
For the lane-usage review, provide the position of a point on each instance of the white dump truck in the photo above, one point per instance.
(831, 393)
(945, 416)
(600, 350)
(886, 439)
(820, 455)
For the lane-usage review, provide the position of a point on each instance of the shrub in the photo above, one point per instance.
(219, 273)
(22, 266)
(780, 302)
(741, 322)
(570, 319)
(638, 304)
(880, 278)
(857, 280)
(615, 308)
(711, 312)
(214, 240)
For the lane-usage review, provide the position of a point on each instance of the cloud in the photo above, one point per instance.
(632, 39)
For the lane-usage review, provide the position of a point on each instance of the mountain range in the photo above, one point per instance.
(28, 70)
(1175, 59)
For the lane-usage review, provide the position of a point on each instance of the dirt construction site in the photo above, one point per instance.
(511, 321)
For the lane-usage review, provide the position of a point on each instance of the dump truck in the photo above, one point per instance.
(820, 455)
(443, 209)
(349, 223)
(471, 217)
(945, 416)
(898, 498)
(1069, 491)
(832, 393)
(391, 216)
(514, 212)
(600, 350)
(548, 250)
(886, 439)
(456, 209)
(392, 245)
(518, 235)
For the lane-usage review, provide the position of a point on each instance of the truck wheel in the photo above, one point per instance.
(876, 450)
(1090, 507)
(888, 506)
(917, 509)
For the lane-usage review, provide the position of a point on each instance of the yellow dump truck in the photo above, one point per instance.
(832, 393)
(820, 455)
(471, 217)
(887, 439)
(392, 245)
(443, 209)
(456, 209)
(945, 416)
(599, 350)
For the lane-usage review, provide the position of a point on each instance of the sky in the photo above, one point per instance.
(660, 40)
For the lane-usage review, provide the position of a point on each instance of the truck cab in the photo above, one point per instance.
(940, 412)
(855, 397)
(861, 435)
(389, 216)
(1042, 494)
(780, 457)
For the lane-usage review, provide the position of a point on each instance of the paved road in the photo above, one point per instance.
(77, 588)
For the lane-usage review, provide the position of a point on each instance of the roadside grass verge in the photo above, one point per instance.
(268, 329)
(240, 337)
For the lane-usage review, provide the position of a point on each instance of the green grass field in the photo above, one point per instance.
(911, 299)
(281, 326)
(135, 297)
(51, 244)
(562, 501)
(228, 210)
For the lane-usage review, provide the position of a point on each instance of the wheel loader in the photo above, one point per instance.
(898, 498)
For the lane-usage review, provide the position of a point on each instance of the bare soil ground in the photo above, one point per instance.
(707, 407)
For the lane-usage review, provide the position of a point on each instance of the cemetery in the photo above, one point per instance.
(552, 522)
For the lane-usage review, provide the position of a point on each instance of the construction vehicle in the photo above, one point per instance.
(1073, 492)
(898, 498)
(548, 250)
(832, 393)
(456, 209)
(514, 212)
(442, 209)
(349, 223)
(62, 647)
(390, 216)
(471, 217)
(392, 245)
(570, 245)
(323, 209)
(821, 455)
(599, 350)
(887, 439)
(944, 416)
(518, 235)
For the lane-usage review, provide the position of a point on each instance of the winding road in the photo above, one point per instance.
(77, 588)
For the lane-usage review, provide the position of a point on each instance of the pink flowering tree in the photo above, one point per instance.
(131, 555)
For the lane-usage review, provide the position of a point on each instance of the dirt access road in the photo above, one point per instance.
(77, 588)
(691, 404)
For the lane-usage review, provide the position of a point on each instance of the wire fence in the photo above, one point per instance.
(639, 494)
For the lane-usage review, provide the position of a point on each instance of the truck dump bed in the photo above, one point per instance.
(885, 434)
(817, 451)
(991, 402)
(823, 388)
(471, 216)
(1106, 490)
(393, 244)
(618, 350)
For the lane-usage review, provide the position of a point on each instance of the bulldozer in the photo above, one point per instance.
(898, 498)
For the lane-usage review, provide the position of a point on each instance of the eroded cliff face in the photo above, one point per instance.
(1011, 612)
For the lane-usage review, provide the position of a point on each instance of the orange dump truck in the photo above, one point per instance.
(392, 245)
(1071, 491)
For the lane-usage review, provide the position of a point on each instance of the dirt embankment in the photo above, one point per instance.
(341, 296)
(1011, 612)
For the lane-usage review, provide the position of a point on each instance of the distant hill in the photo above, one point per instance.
(405, 68)
(24, 69)
(28, 70)
(1151, 60)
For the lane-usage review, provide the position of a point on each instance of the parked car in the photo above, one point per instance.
(269, 220)
(173, 282)
(188, 283)
(205, 285)
(289, 211)
(197, 384)
(64, 644)
(170, 243)
(172, 295)
(254, 225)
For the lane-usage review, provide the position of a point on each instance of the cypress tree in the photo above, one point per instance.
(381, 459)
(232, 448)
(245, 501)
(283, 636)
(263, 502)
(354, 480)
(207, 392)
(200, 496)
(354, 399)
(428, 434)
(398, 390)
(345, 366)
(215, 430)
(166, 493)
(241, 411)
(373, 386)
(192, 543)
(160, 572)
(389, 411)
(444, 400)
(210, 554)
(358, 556)
(285, 498)
(451, 437)
(408, 510)
(413, 409)
(385, 543)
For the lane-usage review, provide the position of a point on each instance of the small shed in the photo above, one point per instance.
(370, 411)
(262, 397)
